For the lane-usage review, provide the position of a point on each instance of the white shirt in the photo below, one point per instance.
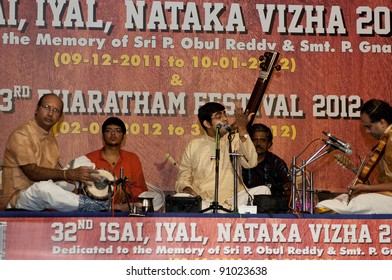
(197, 168)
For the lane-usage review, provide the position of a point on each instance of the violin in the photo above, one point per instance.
(367, 167)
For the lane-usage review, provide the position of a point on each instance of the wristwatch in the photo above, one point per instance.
(245, 136)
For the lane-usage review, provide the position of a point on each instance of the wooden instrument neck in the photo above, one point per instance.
(374, 159)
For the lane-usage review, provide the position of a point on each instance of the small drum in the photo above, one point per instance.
(99, 190)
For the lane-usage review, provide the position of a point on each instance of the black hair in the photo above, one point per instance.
(259, 127)
(207, 110)
(115, 121)
(377, 110)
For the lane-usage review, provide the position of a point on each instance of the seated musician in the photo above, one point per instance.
(362, 198)
(197, 168)
(114, 159)
(271, 170)
(32, 176)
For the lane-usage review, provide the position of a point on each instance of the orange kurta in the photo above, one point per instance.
(132, 169)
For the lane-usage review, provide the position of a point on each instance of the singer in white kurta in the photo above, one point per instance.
(197, 169)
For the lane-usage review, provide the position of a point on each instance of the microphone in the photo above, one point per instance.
(226, 127)
(336, 140)
(119, 181)
(103, 182)
(338, 147)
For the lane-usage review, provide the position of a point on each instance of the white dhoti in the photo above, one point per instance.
(367, 203)
(47, 195)
(57, 195)
(242, 197)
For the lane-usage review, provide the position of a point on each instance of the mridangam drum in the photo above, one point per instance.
(99, 190)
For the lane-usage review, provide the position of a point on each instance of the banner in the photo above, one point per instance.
(207, 238)
(154, 63)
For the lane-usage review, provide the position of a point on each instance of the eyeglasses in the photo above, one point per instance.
(219, 115)
(50, 109)
(111, 130)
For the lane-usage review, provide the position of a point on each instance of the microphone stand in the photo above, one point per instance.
(235, 155)
(132, 211)
(126, 195)
(122, 185)
(110, 196)
(233, 158)
(214, 206)
(294, 171)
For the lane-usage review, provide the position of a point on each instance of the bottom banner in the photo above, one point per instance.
(194, 238)
(218, 269)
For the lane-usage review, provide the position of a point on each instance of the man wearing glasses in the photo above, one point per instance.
(32, 175)
(197, 169)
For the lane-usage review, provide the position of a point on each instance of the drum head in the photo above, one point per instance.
(96, 190)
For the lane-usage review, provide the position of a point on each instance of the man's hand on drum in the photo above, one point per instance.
(83, 174)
